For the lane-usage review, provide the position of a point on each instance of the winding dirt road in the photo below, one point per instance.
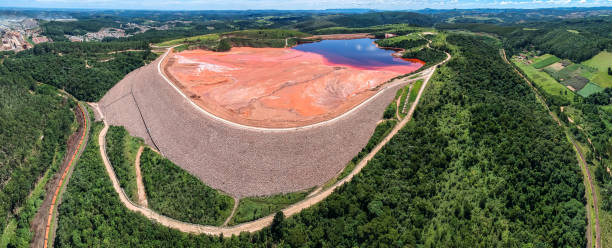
(261, 223)
(582, 160)
(142, 195)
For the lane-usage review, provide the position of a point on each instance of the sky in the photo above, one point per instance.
(299, 4)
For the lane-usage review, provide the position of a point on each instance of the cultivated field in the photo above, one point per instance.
(601, 61)
(589, 89)
(544, 61)
(545, 81)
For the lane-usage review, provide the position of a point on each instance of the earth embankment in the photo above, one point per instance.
(238, 161)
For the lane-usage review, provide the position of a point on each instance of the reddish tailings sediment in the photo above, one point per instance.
(274, 87)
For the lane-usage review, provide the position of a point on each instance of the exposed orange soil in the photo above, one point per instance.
(274, 87)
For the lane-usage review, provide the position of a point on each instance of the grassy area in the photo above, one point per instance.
(415, 90)
(545, 81)
(9, 233)
(252, 208)
(601, 61)
(590, 89)
(575, 75)
(410, 41)
(199, 38)
(605, 217)
(605, 223)
(545, 60)
(122, 149)
(589, 195)
(177, 194)
(402, 100)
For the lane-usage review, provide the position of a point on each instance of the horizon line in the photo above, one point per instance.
(331, 9)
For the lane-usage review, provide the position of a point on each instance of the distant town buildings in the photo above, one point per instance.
(14, 34)
(14, 41)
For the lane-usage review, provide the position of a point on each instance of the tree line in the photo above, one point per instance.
(480, 164)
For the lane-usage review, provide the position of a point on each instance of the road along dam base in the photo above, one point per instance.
(283, 87)
(239, 161)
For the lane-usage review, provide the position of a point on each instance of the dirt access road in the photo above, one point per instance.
(261, 223)
(582, 161)
(142, 195)
(41, 226)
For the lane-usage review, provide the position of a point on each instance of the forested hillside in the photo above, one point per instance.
(85, 70)
(34, 126)
(480, 165)
(577, 39)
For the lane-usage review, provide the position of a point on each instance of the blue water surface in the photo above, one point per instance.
(361, 53)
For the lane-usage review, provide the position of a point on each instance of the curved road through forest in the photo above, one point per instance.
(261, 223)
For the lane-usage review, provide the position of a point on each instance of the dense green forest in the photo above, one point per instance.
(121, 151)
(574, 39)
(401, 42)
(597, 115)
(35, 123)
(85, 70)
(175, 193)
(481, 164)
(427, 55)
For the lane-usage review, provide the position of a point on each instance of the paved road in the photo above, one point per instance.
(261, 223)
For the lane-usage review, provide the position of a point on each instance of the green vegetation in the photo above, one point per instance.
(589, 89)
(121, 151)
(175, 193)
(8, 234)
(390, 111)
(380, 132)
(250, 38)
(252, 208)
(377, 31)
(480, 164)
(415, 91)
(223, 46)
(544, 61)
(553, 89)
(195, 39)
(382, 18)
(554, 38)
(22, 235)
(36, 121)
(427, 55)
(575, 75)
(404, 42)
(266, 34)
(85, 70)
(402, 100)
(601, 61)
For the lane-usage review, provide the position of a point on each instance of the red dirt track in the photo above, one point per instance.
(249, 86)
